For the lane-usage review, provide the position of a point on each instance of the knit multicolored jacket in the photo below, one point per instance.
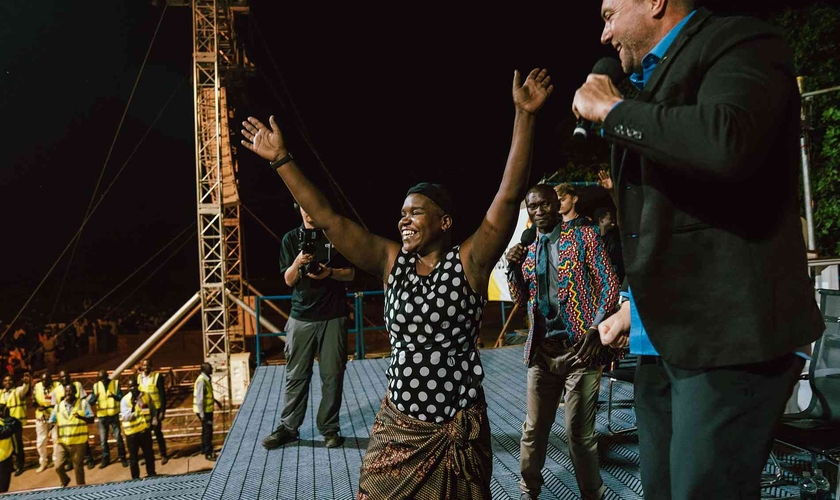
(588, 287)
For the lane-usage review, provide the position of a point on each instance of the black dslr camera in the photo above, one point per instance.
(306, 245)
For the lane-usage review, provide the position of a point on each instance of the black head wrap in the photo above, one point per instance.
(437, 193)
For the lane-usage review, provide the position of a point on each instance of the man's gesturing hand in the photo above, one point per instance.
(589, 347)
(615, 330)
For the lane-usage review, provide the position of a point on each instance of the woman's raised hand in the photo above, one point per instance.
(531, 95)
(266, 142)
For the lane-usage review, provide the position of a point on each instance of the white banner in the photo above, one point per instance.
(498, 288)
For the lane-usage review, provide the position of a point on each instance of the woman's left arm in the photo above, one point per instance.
(482, 250)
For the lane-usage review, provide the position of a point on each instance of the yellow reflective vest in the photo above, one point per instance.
(150, 388)
(58, 392)
(6, 445)
(106, 406)
(42, 399)
(71, 429)
(138, 422)
(14, 403)
(208, 395)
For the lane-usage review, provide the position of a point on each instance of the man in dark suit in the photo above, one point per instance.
(717, 297)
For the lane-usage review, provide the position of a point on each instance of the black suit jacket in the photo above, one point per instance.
(705, 162)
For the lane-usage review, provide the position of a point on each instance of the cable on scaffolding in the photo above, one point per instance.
(93, 210)
(78, 236)
(301, 127)
(124, 281)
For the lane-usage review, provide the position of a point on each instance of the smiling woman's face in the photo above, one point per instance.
(421, 222)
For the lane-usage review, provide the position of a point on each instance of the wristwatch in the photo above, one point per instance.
(279, 162)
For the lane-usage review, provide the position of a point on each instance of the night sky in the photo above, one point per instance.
(387, 96)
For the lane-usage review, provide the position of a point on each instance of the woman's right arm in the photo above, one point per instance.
(364, 249)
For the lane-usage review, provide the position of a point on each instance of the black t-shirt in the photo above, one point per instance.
(315, 300)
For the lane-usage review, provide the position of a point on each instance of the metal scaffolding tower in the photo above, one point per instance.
(217, 61)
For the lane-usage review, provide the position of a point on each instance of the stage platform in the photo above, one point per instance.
(308, 470)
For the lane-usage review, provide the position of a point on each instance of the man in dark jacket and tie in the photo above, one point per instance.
(717, 298)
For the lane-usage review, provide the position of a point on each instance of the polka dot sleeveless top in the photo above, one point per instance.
(433, 323)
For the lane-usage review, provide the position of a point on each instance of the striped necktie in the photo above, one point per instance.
(542, 277)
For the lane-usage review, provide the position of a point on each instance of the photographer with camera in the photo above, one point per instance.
(316, 272)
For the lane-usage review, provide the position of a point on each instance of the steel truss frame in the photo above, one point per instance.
(217, 58)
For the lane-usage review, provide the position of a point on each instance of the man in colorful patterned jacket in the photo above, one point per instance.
(568, 284)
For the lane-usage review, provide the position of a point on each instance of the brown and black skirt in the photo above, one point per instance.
(410, 458)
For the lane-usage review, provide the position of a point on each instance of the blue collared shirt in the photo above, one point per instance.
(640, 343)
(651, 60)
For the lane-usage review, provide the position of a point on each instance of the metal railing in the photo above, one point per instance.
(358, 328)
(180, 376)
(180, 423)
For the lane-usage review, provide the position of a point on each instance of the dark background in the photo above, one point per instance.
(385, 96)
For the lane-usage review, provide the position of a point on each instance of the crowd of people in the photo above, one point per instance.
(716, 119)
(35, 343)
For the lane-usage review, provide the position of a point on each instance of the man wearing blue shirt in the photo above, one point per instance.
(72, 416)
(716, 296)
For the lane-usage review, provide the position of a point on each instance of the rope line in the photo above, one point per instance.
(93, 210)
(302, 129)
(105, 164)
(272, 233)
(121, 283)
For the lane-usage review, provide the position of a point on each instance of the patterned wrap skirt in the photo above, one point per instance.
(410, 458)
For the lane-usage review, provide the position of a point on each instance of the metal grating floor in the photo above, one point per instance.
(181, 487)
(308, 470)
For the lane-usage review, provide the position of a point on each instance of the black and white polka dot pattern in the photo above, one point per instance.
(433, 323)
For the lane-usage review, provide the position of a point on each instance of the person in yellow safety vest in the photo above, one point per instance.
(203, 402)
(13, 399)
(81, 393)
(106, 396)
(134, 407)
(42, 400)
(152, 383)
(8, 427)
(72, 416)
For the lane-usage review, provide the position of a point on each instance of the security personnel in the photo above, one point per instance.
(107, 395)
(72, 415)
(203, 402)
(8, 427)
(13, 399)
(135, 412)
(151, 383)
(81, 393)
(42, 400)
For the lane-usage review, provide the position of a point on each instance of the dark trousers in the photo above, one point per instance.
(17, 442)
(112, 423)
(707, 433)
(157, 429)
(75, 454)
(6, 469)
(206, 433)
(140, 440)
(303, 339)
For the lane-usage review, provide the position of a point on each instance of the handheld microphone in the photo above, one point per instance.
(528, 236)
(611, 67)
